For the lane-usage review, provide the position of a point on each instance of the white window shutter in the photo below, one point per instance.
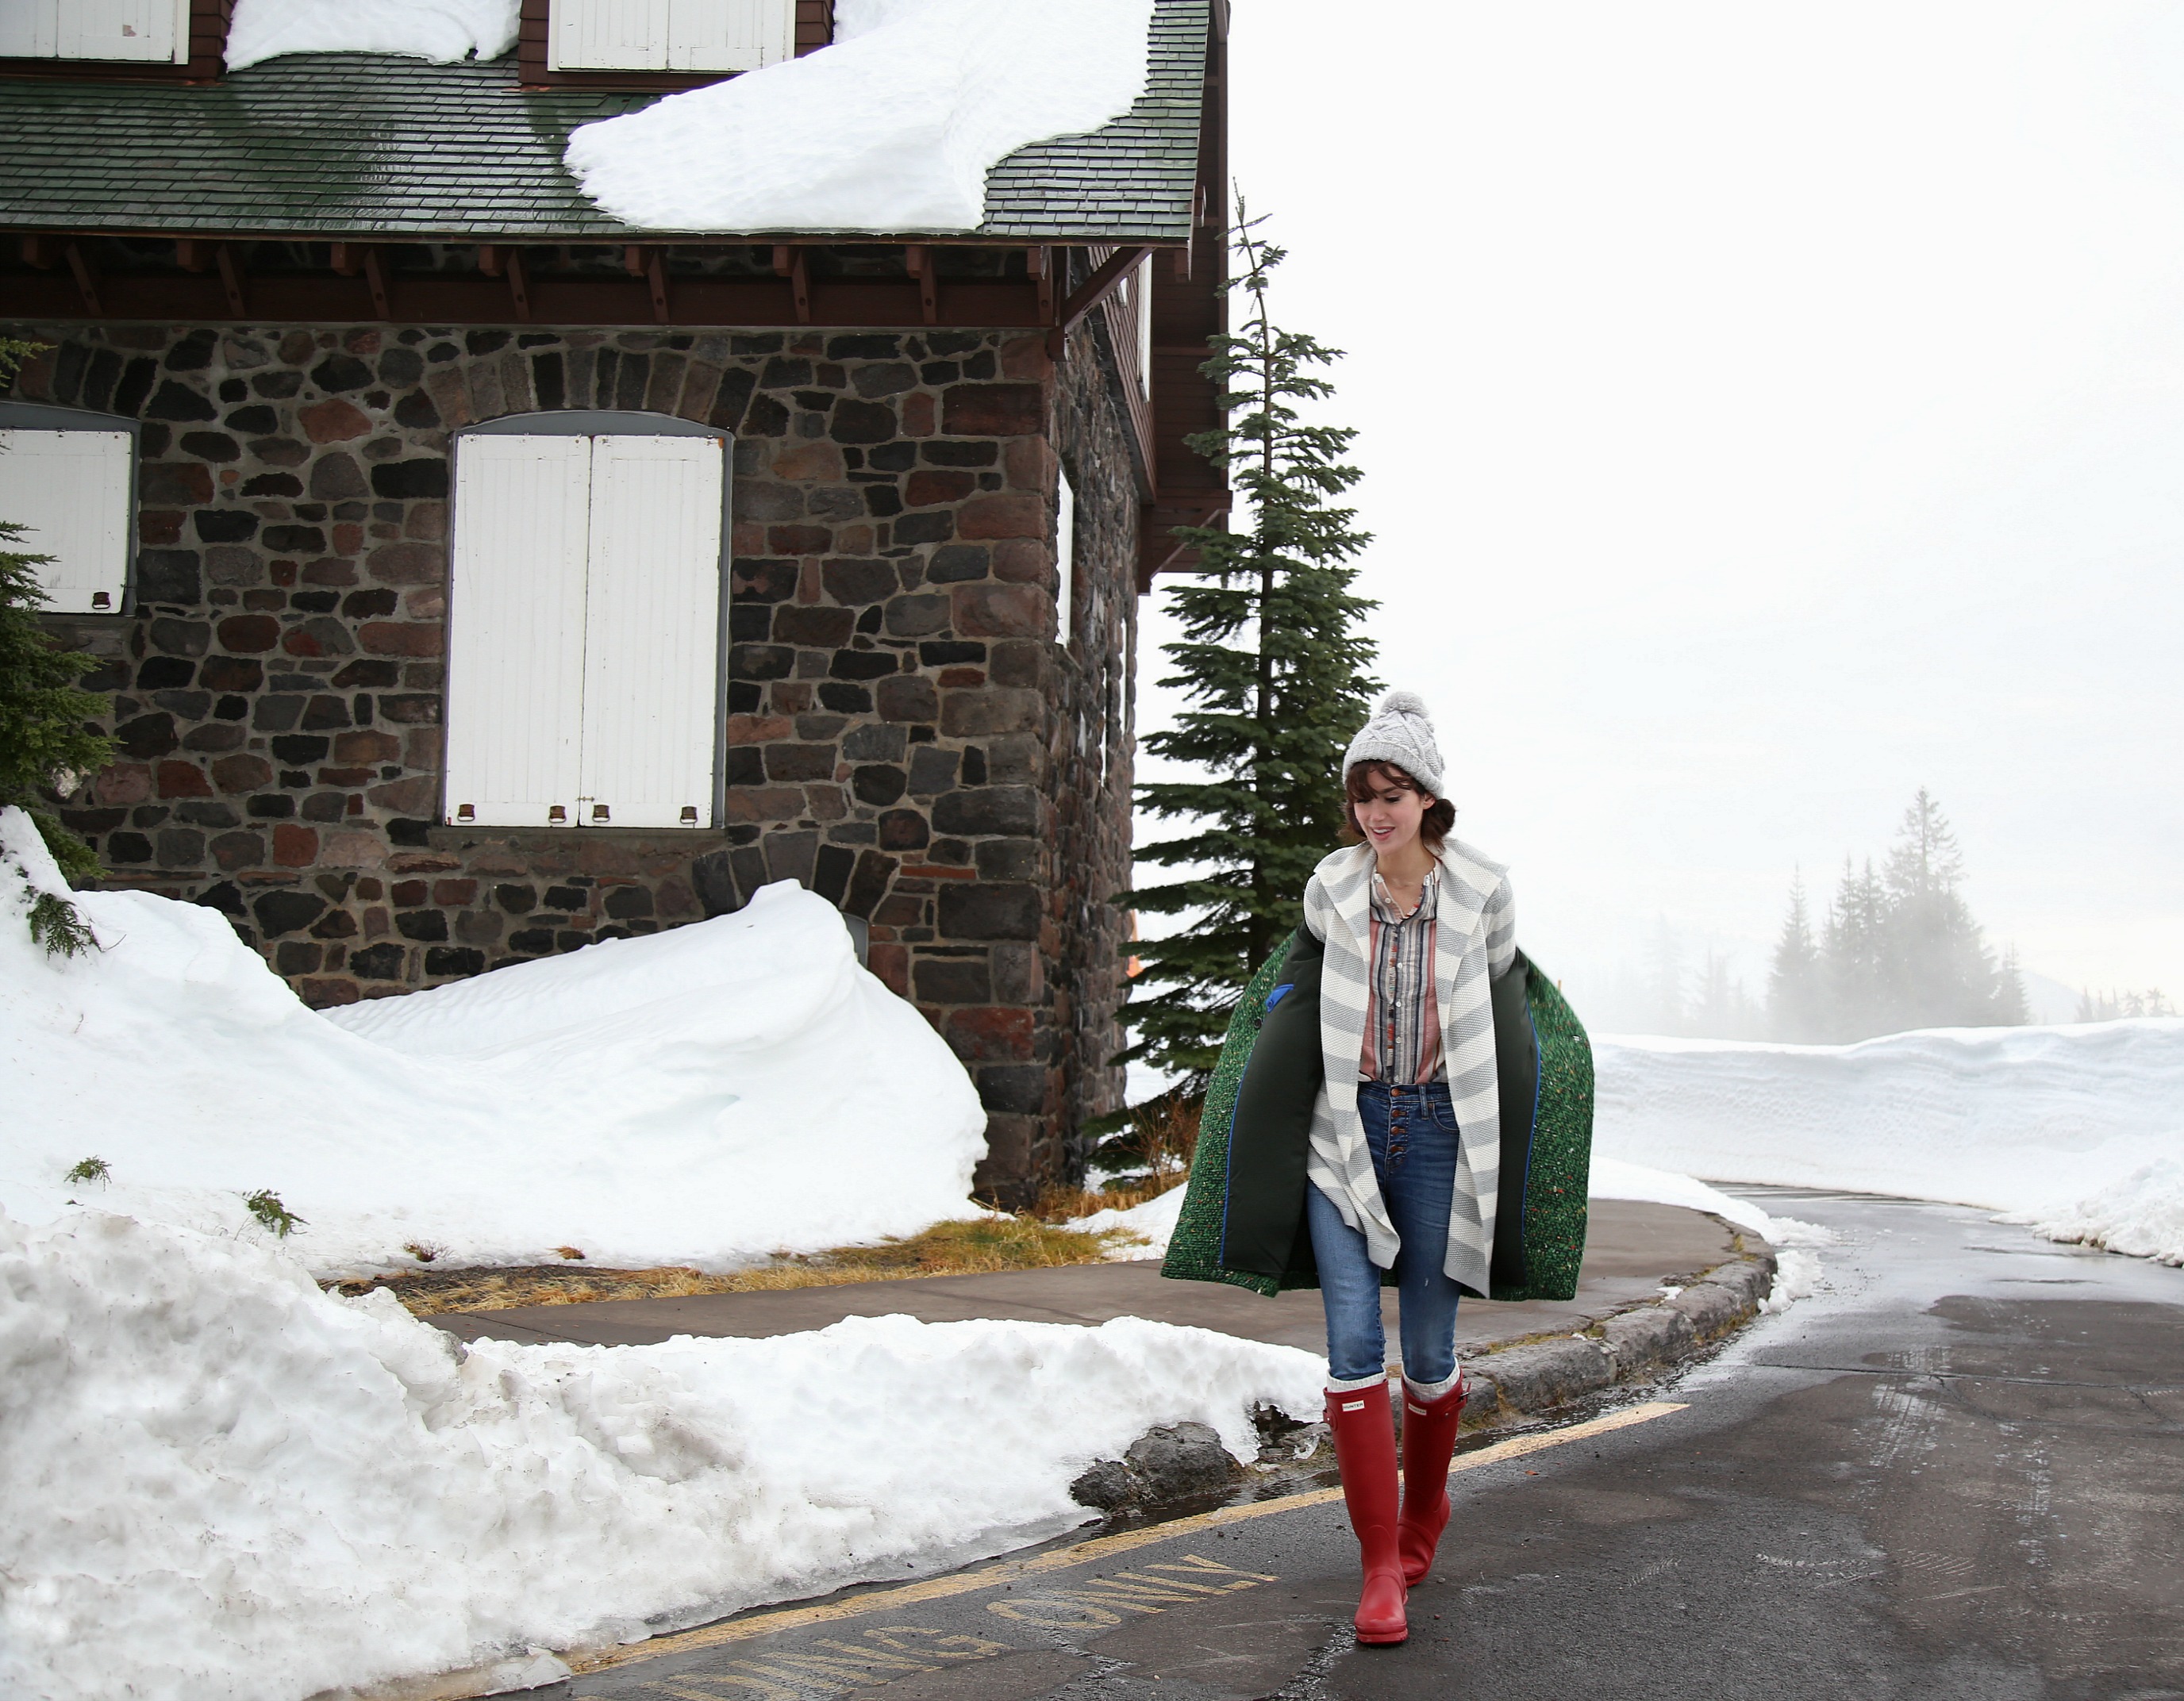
(608, 34)
(71, 490)
(652, 627)
(1065, 558)
(140, 30)
(730, 35)
(516, 639)
(29, 28)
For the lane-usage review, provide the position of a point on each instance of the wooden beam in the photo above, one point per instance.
(918, 256)
(1039, 267)
(519, 286)
(1158, 547)
(1090, 293)
(43, 252)
(642, 260)
(466, 298)
(347, 259)
(230, 278)
(788, 262)
(193, 253)
(86, 280)
(491, 259)
(376, 277)
(656, 274)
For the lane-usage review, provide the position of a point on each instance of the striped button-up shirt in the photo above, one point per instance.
(1402, 1028)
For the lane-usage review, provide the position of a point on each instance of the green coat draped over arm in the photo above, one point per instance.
(1242, 1218)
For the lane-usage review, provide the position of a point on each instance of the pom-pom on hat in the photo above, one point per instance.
(1401, 732)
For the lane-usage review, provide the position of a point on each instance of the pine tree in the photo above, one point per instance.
(1900, 949)
(1664, 979)
(1794, 992)
(1941, 973)
(1724, 1010)
(1854, 956)
(1275, 666)
(44, 741)
(2010, 1007)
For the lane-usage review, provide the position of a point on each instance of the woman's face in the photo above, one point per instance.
(1389, 815)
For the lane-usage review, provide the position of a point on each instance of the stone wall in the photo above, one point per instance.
(905, 737)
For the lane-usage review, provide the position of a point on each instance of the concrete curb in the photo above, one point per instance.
(1526, 1379)
(1178, 1468)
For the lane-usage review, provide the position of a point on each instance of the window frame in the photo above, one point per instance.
(36, 416)
(589, 422)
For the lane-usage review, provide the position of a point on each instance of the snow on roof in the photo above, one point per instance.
(440, 30)
(893, 128)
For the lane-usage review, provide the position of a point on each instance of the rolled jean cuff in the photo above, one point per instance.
(1339, 1385)
(1431, 1392)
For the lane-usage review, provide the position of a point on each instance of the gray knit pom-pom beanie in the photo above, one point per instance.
(1401, 732)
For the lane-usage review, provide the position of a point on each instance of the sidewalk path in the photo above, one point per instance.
(1631, 1251)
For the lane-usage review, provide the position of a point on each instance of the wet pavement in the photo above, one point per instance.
(1956, 1473)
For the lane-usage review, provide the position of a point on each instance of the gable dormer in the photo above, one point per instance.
(664, 44)
(176, 40)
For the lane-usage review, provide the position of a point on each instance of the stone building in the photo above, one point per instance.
(477, 577)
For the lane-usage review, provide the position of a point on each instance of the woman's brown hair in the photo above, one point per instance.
(1368, 777)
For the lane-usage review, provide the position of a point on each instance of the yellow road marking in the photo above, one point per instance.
(1066, 1559)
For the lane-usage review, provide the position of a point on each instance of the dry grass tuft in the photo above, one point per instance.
(953, 1249)
(1066, 1204)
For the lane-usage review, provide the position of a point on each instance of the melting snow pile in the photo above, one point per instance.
(1152, 1224)
(441, 30)
(2142, 1214)
(2080, 1129)
(705, 1096)
(220, 1482)
(1613, 1178)
(892, 128)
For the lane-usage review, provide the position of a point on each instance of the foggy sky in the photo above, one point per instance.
(1768, 410)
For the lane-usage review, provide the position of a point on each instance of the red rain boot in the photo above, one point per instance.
(1365, 1453)
(1429, 1439)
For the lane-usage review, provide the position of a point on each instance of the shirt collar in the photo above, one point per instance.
(1385, 906)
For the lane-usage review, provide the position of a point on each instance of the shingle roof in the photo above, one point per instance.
(367, 145)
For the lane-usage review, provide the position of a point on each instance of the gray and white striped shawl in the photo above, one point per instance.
(1475, 937)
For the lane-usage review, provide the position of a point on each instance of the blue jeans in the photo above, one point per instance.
(1411, 1131)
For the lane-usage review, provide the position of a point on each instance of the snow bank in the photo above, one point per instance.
(220, 1482)
(2081, 1128)
(892, 128)
(705, 1096)
(441, 30)
(2143, 1214)
(1613, 1178)
(1153, 1222)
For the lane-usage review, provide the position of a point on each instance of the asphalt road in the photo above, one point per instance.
(1957, 1474)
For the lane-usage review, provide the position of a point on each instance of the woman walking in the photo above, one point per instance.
(1403, 1167)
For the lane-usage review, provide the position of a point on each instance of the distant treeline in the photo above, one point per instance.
(2114, 1006)
(1898, 948)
